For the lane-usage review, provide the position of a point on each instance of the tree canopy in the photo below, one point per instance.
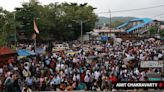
(6, 26)
(55, 20)
(153, 30)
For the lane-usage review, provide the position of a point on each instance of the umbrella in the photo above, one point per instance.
(25, 52)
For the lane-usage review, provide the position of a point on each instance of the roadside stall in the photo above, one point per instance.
(6, 55)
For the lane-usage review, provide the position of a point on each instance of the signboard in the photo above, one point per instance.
(151, 64)
(154, 77)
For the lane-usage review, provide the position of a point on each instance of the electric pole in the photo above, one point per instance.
(81, 29)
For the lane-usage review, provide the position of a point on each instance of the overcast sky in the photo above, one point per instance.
(105, 5)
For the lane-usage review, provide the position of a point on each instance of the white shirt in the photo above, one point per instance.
(60, 66)
(156, 58)
(86, 78)
(1, 70)
(87, 72)
(74, 60)
(74, 77)
(160, 55)
(78, 77)
(136, 71)
(97, 74)
(27, 67)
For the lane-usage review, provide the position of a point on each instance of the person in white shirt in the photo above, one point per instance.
(86, 78)
(97, 75)
(76, 77)
(1, 70)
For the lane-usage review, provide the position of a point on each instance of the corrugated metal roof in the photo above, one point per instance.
(144, 20)
(122, 25)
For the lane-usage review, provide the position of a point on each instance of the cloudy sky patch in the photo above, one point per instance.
(105, 6)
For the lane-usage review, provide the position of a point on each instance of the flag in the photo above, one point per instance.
(35, 27)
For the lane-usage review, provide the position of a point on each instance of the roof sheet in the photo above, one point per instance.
(144, 20)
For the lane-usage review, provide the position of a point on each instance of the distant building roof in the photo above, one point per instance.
(162, 27)
(144, 22)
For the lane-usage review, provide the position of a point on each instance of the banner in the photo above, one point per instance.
(151, 64)
(152, 76)
(135, 85)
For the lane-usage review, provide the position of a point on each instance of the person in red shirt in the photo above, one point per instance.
(11, 60)
(82, 75)
(52, 64)
(113, 78)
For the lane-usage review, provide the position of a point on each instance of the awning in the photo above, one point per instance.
(5, 55)
(6, 51)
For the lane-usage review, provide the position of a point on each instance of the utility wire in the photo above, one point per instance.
(137, 9)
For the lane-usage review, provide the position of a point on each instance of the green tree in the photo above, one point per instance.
(5, 26)
(153, 30)
(116, 23)
(55, 20)
(26, 15)
(161, 33)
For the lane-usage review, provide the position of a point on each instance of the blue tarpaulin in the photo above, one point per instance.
(144, 21)
(24, 52)
(39, 51)
(104, 38)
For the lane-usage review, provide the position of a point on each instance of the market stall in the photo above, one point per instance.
(6, 55)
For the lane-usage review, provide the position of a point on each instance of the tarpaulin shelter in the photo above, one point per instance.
(6, 51)
(25, 52)
(6, 54)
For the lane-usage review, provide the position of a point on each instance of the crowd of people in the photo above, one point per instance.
(96, 66)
